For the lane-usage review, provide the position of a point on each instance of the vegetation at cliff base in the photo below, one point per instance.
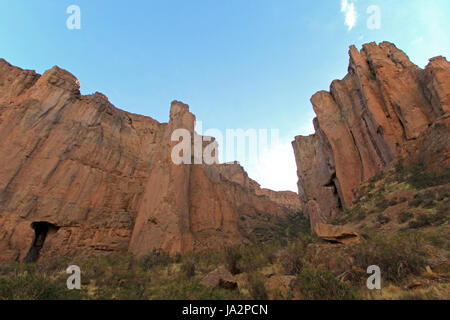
(403, 223)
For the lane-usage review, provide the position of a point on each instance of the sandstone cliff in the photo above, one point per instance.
(79, 176)
(385, 109)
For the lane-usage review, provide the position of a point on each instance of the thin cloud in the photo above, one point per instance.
(348, 8)
(344, 5)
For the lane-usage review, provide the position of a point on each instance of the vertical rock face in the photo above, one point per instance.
(79, 176)
(377, 114)
(317, 184)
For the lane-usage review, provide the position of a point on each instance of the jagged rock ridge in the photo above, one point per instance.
(385, 109)
(92, 179)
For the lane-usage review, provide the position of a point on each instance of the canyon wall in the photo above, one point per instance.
(385, 109)
(81, 177)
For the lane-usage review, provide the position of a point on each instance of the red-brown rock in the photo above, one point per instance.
(220, 278)
(385, 109)
(102, 180)
(336, 234)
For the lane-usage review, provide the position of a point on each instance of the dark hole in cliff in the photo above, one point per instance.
(332, 184)
(41, 230)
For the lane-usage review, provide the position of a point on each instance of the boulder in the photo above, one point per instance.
(220, 278)
(336, 234)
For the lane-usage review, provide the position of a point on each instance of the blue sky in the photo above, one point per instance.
(237, 63)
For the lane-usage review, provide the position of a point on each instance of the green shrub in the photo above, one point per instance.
(178, 257)
(321, 284)
(430, 294)
(383, 204)
(400, 172)
(404, 217)
(252, 257)
(418, 223)
(382, 219)
(356, 213)
(421, 179)
(398, 256)
(257, 287)
(416, 202)
(271, 254)
(232, 257)
(93, 269)
(300, 224)
(35, 287)
(52, 265)
(126, 289)
(437, 219)
(156, 258)
(377, 177)
(437, 238)
(444, 208)
(185, 289)
(342, 218)
(425, 220)
(188, 268)
(205, 259)
(248, 258)
(429, 203)
(291, 259)
(360, 214)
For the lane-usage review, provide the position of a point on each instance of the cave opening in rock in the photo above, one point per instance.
(333, 184)
(41, 230)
